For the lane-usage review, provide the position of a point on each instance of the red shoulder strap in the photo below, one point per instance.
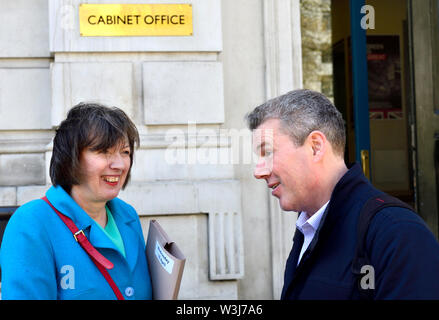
(99, 260)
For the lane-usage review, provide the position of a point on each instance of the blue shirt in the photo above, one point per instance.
(112, 232)
(40, 259)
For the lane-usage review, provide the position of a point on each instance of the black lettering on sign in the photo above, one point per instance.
(90, 18)
(164, 19)
(134, 19)
(108, 19)
(149, 19)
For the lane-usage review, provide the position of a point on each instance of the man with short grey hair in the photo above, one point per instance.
(300, 140)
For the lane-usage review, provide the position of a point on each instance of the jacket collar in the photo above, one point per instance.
(339, 204)
(64, 203)
(127, 227)
(339, 198)
(291, 265)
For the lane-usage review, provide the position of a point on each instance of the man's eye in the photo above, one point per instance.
(268, 153)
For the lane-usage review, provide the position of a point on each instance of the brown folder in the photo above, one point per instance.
(165, 262)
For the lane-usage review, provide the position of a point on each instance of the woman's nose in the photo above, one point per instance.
(116, 161)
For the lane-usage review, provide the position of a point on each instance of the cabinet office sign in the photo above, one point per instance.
(108, 20)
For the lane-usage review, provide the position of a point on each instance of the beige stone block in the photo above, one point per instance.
(173, 197)
(177, 164)
(108, 83)
(219, 196)
(25, 28)
(183, 197)
(8, 196)
(29, 193)
(24, 98)
(191, 235)
(22, 169)
(182, 92)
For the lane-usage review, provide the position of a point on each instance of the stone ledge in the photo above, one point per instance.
(167, 197)
(26, 141)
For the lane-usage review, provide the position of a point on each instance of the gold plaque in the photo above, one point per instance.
(109, 20)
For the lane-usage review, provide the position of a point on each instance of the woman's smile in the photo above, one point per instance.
(111, 180)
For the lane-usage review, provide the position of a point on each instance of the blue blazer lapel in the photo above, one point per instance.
(131, 242)
(99, 239)
(129, 233)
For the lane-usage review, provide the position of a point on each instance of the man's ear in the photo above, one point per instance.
(318, 142)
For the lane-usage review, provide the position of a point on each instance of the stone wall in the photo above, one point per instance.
(242, 52)
(163, 84)
(316, 45)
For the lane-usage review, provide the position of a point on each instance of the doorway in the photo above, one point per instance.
(390, 103)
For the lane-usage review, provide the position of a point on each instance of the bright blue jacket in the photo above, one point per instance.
(40, 259)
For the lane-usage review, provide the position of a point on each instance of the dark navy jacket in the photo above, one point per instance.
(402, 250)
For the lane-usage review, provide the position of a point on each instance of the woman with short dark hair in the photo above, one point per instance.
(80, 241)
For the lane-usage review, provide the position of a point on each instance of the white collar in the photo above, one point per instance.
(313, 221)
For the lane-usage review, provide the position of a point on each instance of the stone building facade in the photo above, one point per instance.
(188, 97)
(317, 45)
